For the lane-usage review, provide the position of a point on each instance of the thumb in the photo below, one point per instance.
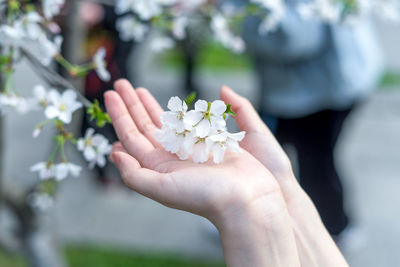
(246, 116)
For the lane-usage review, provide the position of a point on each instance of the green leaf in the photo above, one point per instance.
(190, 99)
(4, 60)
(96, 113)
(229, 110)
(14, 5)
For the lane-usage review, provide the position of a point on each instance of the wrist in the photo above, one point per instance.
(259, 234)
(315, 245)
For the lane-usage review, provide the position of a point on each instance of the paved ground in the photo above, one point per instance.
(368, 157)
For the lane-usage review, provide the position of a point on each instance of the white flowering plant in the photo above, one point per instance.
(172, 18)
(194, 133)
(24, 25)
(199, 132)
(349, 11)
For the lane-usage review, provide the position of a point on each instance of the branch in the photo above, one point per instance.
(52, 78)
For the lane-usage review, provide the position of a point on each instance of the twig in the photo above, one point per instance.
(52, 78)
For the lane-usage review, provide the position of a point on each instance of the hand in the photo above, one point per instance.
(315, 246)
(240, 196)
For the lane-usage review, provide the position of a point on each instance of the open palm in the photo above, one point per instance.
(205, 189)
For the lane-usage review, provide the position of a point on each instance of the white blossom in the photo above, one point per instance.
(41, 201)
(220, 142)
(36, 132)
(174, 118)
(162, 43)
(100, 64)
(131, 29)
(63, 170)
(52, 8)
(272, 20)
(201, 151)
(11, 35)
(49, 49)
(94, 147)
(170, 138)
(58, 172)
(205, 116)
(146, 9)
(40, 96)
(389, 9)
(11, 100)
(179, 27)
(222, 33)
(45, 170)
(29, 23)
(62, 106)
(197, 132)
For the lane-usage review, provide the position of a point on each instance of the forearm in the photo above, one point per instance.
(260, 236)
(315, 245)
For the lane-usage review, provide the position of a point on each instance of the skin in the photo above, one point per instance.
(315, 245)
(256, 213)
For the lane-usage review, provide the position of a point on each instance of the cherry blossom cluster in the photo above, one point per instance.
(199, 132)
(337, 11)
(171, 18)
(25, 26)
(58, 109)
(28, 25)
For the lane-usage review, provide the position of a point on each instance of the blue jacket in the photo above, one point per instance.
(306, 66)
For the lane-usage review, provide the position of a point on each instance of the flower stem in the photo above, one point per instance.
(53, 154)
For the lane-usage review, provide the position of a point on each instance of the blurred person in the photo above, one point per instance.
(311, 76)
(101, 22)
(253, 198)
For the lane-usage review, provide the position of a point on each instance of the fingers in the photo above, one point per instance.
(246, 116)
(136, 109)
(134, 142)
(118, 147)
(259, 140)
(147, 182)
(151, 105)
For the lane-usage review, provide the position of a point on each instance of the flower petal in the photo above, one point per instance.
(89, 153)
(200, 153)
(69, 97)
(201, 105)
(175, 104)
(66, 117)
(74, 169)
(218, 108)
(192, 118)
(61, 171)
(203, 128)
(51, 112)
(218, 151)
(237, 136)
(101, 161)
(80, 144)
(89, 133)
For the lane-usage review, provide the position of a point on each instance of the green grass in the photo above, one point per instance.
(212, 56)
(11, 260)
(390, 79)
(94, 256)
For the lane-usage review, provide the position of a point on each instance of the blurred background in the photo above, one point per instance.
(96, 221)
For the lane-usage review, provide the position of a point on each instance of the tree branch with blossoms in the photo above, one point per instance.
(24, 25)
(171, 19)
